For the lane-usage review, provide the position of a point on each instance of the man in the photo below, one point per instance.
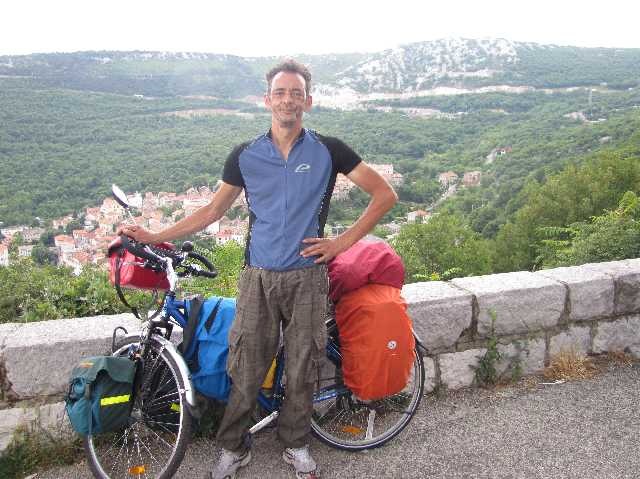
(288, 175)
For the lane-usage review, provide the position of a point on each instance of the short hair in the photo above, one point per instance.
(293, 66)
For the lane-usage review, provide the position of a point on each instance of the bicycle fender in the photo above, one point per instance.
(182, 365)
(421, 347)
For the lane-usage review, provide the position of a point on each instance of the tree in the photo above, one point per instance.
(47, 238)
(16, 241)
(75, 224)
(612, 236)
(443, 248)
(42, 255)
(572, 196)
(228, 260)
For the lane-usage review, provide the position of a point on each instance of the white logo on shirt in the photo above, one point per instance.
(303, 168)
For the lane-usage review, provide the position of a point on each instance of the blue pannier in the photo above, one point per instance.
(206, 344)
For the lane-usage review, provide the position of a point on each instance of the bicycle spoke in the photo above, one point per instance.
(141, 462)
(395, 406)
(324, 407)
(119, 455)
(128, 457)
(162, 423)
(144, 444)
(341, 414)
(115, 441)
(157, 400)
(159, 438)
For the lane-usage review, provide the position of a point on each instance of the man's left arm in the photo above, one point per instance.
(383, 197)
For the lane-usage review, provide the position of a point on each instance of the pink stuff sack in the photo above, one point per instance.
(364, 263)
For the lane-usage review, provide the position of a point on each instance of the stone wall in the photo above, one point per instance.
(592, 308)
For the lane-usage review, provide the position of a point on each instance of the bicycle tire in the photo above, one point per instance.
(347, 423)
(154, 442)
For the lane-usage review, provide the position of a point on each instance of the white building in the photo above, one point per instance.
(447, 178)
(65, 243)
(31, 235)
(225, 236)
(24, 251)
(4, 255)
(418, 216)
(471, 178)
(213, 228)
(12, 231)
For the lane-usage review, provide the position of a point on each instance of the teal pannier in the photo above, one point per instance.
(100, 394)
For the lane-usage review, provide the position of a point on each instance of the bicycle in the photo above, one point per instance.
(154, 442)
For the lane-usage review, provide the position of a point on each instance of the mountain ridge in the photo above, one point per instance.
(408, 68)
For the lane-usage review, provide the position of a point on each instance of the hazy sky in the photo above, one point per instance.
(258, 28)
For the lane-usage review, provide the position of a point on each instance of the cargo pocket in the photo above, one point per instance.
(234, 358)
(318, 354)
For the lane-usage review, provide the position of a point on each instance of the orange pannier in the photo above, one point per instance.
(376, 341)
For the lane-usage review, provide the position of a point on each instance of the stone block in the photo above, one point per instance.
(626, 276)
(527, 354)
(38, 360)
(7, 330)
(522, 301)
(47, 416)
(440, 312)
(458, 370)
(577, 338)
(591, 292)
(617, 335)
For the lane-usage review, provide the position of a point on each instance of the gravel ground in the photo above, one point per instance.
(579, 429)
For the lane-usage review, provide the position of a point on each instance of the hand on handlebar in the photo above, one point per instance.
(138, 233)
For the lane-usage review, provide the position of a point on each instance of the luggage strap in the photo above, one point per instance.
(189, 332)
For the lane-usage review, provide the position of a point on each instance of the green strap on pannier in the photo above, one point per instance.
(110, 401)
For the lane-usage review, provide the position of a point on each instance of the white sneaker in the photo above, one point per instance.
(302, 461)
(229, 463)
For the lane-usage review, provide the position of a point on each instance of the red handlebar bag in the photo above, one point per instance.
(127, 271)
(376, 341)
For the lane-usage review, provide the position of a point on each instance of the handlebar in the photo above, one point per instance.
(212, 273)
(156, 256)
(140, 250)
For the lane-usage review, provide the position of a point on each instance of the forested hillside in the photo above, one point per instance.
(62, 149)
(555, 137)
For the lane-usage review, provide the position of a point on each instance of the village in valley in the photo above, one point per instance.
(88, 243)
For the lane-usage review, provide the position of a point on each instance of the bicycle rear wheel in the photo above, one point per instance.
(343, 421)
(154, 441)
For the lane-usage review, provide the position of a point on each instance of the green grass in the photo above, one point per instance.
(34, 449)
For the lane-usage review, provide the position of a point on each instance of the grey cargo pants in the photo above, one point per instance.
(297, 300)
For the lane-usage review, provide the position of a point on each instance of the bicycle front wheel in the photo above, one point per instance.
(154, 441)
(343, 421)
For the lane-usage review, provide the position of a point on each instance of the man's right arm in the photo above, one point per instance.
(222, 200)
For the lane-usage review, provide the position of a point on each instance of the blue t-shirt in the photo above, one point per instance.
(288, 200)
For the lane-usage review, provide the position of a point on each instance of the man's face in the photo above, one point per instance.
(287, 99)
